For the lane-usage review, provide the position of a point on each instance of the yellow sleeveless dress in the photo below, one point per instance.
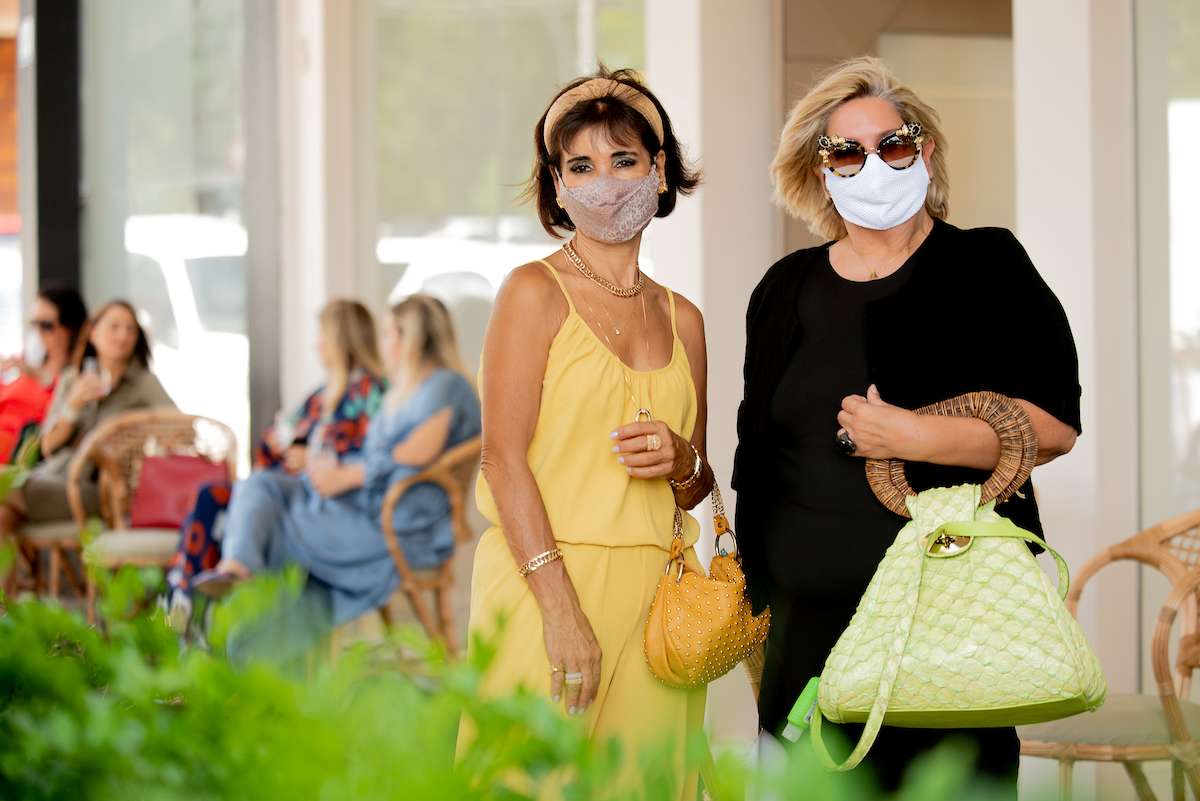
(614, 532)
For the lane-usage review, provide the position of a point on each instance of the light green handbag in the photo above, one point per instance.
(958, 628)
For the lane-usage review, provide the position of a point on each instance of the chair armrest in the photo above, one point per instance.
(80, 460)
(1122, 552)
(1160, 653)
(395, 492)
(440, 473)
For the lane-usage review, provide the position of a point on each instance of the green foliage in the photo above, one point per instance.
(130, 714)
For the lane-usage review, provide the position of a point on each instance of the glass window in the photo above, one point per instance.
(460, 84)
(148, 293)
(163, 172)
(1168, 126)
(219, 282)
(1169, 243)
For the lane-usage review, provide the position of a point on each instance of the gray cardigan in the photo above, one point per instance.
(138, 388)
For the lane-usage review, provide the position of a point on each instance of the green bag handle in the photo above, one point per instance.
(1002, 528)
(1007, 529)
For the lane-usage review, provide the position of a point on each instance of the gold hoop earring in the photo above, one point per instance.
(662, 188)
(558, 200)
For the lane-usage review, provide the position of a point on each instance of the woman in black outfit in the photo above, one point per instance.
(901, 310)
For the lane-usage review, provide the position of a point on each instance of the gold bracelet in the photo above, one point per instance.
(690, 481)
(541, 560)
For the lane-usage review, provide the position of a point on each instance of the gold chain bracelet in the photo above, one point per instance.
(541, 560)
(690, 481)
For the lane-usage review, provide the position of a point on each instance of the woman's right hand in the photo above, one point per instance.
(295, 458)
(571, 645)
(87, 388)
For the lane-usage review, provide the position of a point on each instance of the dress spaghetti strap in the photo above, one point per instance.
(558, 280)
(671, 303)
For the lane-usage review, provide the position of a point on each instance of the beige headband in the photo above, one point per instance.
(599, 88)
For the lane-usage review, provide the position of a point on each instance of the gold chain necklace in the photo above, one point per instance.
(643, 411)
(601, 281)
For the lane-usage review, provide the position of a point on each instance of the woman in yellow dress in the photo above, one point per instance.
(594, 409)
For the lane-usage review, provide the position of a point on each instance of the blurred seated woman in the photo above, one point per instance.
(112, 377)
(59, 316)
(327, 521)
(331, 423)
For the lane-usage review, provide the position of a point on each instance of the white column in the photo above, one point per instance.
(27, 148)
(1076, 215)
(318, 171)
(717, 67)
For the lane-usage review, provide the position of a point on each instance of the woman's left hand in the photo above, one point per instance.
(672, 459)
(878, 429)
(327, 481)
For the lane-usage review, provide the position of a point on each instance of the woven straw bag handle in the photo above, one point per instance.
(1018, 450)
(1003, 528)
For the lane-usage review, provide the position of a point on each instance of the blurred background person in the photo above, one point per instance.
(330, 424)
(327, 520)
(113, 376)
(59, 316)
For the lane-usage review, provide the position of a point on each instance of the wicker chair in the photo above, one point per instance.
(452, 472)
(1132, 729)
(116, 449)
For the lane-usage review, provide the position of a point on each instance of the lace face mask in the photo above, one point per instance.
(610, 209)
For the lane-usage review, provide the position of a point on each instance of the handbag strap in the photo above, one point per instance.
(1002, 528)
(721, 525)
(1006, 529)
(883, 695)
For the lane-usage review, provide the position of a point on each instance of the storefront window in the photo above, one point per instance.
(460, 84)
(162, 195)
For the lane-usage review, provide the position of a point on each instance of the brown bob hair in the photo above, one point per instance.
(623, 124)
(85, 349)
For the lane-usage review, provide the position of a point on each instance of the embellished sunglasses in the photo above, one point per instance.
(846, 157)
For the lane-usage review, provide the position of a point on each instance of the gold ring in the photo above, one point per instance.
(653, 442)
(554, 670)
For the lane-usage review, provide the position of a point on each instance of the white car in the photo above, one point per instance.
(463, 263)
(187, 277)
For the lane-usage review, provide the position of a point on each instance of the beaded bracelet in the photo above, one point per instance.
(541, 560)
(691, 480)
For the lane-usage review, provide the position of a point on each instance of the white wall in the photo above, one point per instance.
(320, 203)
(968, 79)
(717, 67)
(1073, 90)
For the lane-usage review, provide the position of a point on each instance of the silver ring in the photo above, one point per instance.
(573, 678)
(846, 444)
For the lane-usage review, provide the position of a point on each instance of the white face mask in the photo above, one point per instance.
(35, 351)
(879, 197)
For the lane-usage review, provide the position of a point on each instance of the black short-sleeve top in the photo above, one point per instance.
(972, 314)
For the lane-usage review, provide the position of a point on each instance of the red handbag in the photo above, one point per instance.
(167, 488)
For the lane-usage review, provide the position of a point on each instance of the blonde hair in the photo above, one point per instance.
(800, 188)
(427, 334)
(349, 328)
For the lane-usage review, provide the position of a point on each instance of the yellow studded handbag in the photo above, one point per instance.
(700, 627)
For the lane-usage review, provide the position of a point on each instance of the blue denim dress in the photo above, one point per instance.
(276, 520)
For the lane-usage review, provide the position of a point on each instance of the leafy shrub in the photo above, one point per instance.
(129, 713)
